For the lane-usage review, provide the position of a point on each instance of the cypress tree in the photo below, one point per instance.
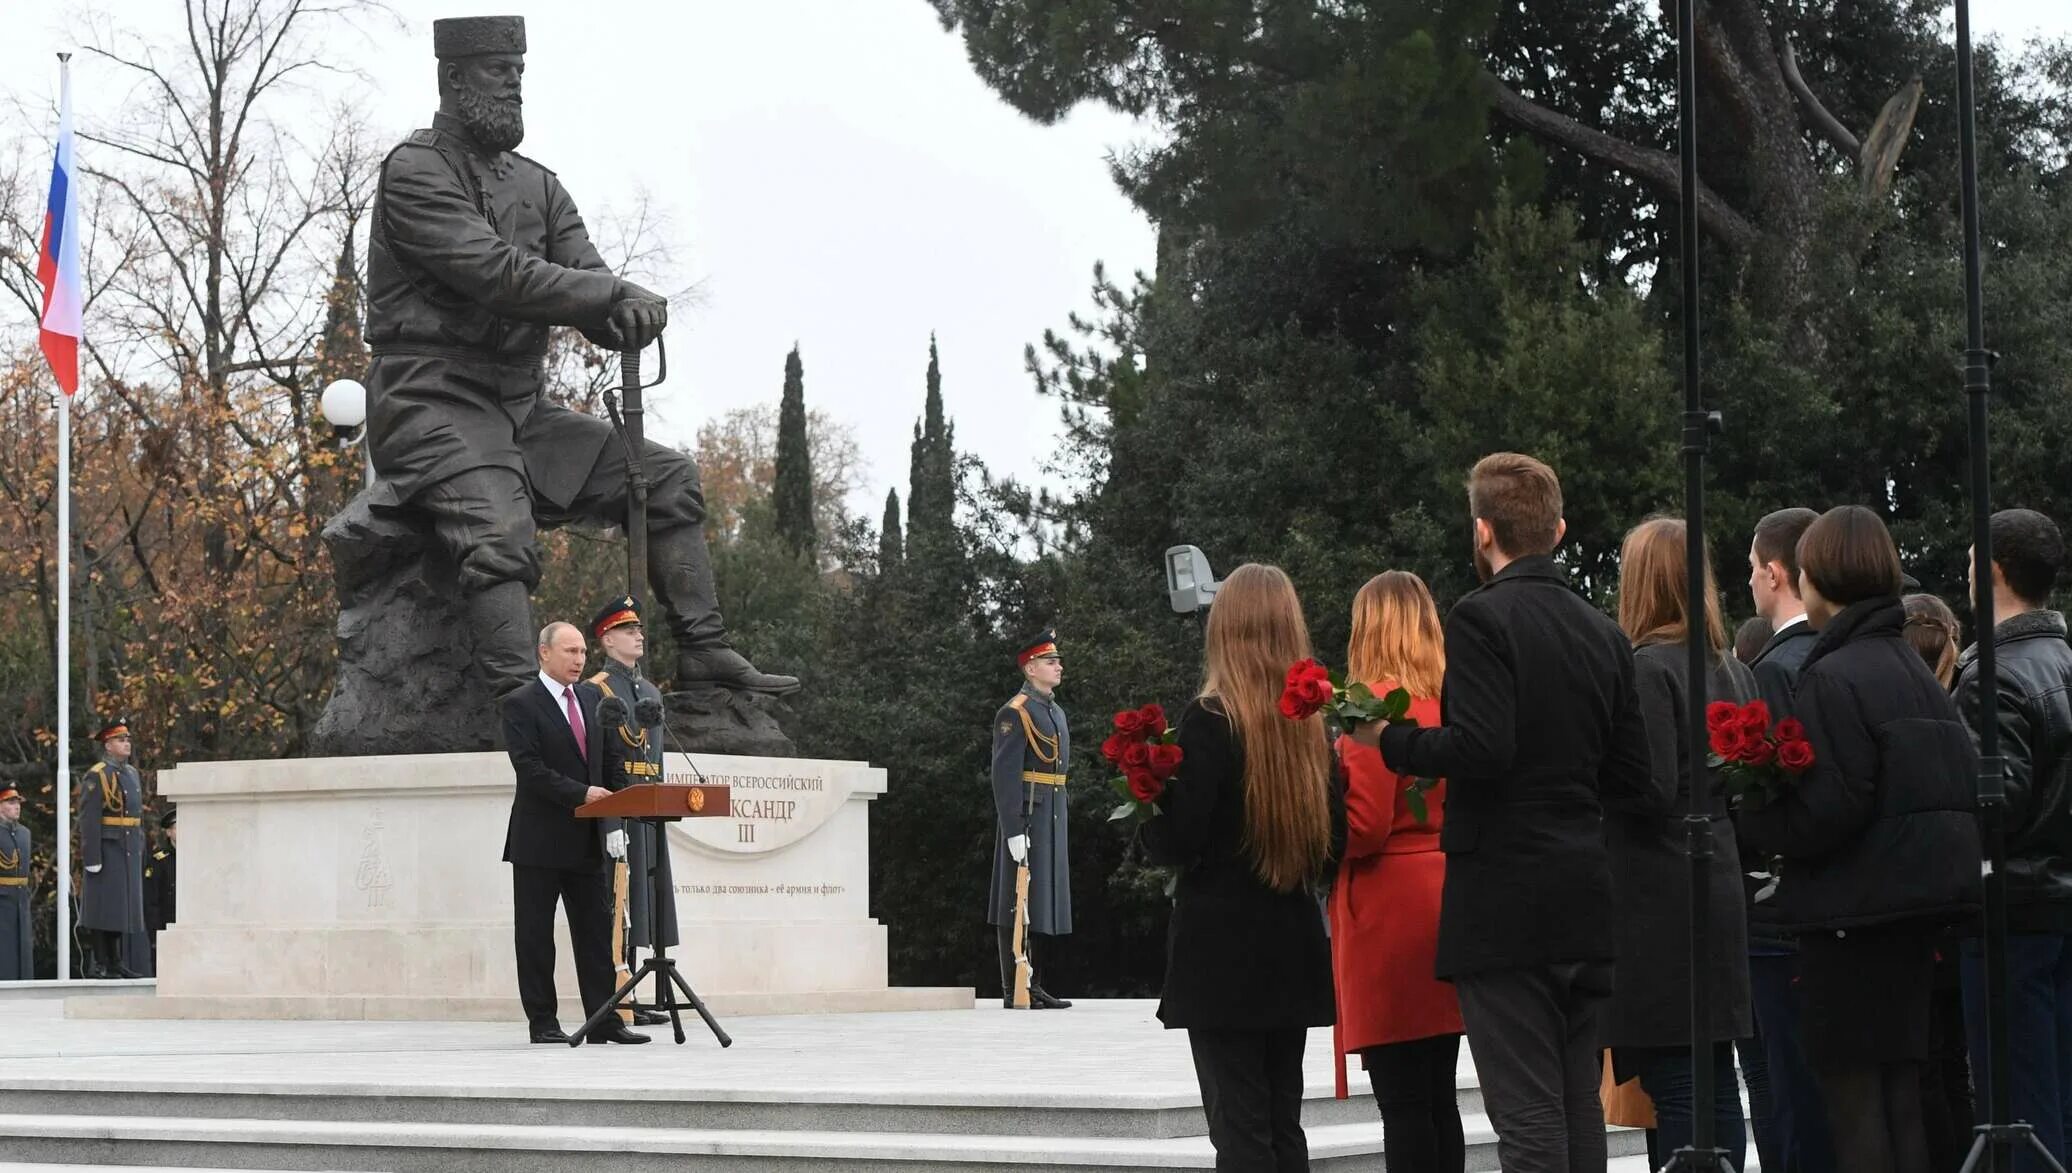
(793, 488)
(891, 540)
(932, 491)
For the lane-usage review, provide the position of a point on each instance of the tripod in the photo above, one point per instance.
(668, 981)
(1994, 1146)
(1699, 425)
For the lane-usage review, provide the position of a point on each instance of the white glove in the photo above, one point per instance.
(93, 868)
(1018, 847)
(615, 844)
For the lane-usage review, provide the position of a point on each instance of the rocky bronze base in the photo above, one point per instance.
(406, 682)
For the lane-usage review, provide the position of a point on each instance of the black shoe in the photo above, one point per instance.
(552, 1034)
(126, 974)
(646, 1017)
(1041, 999)
(723, 666)
(615, 1032)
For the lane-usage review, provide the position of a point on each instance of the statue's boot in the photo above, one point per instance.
(500, 619)
(680, 570)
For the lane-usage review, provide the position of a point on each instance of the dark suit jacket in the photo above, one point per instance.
(1541, 726)
(1777, 666)
(553, 778)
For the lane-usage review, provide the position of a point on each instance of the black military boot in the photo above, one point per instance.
(680, 570)
(91, 966)
(500, 621)
(1004, 934)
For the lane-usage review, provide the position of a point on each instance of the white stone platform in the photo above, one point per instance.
(1096, 1088)
(373, 888)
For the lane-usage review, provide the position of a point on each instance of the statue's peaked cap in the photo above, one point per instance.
(473, 36)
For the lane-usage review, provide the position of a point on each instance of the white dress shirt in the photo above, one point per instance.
(555, 689)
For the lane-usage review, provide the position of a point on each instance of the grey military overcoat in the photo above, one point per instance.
(1032, 749)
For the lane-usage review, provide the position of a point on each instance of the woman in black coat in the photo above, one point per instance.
(1648, 1026)
(1879, 844)
(1251, 821)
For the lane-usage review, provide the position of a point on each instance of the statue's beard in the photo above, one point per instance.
(497, 123)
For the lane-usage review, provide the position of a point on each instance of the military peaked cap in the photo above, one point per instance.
(7, 792)
(619, 612)
(112, 730)
(170, 817)
(1043, 643)
(475, 36)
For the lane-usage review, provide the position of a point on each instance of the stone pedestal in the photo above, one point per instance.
(373, 887)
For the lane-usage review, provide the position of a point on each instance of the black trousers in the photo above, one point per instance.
(587, 896)
(1251, 1091)
(1415, 1089)
(1534, 1033)
(1004, 934)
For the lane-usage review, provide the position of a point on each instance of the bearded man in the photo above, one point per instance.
(474, 254)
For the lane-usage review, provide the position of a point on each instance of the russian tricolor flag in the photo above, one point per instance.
(57, 266)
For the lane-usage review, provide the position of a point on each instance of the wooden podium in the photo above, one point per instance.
(659, 804)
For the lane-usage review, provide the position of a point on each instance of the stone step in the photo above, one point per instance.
(73, 1141)
(1145, 1116)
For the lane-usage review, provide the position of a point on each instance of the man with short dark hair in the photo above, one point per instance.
(2033, 664)
(1790, 1121)
(556, 743)
(111, 852)
(1540, 729)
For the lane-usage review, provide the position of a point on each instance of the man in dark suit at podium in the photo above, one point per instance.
(557, 752)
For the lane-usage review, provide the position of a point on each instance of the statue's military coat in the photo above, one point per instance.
(1030, 737)
(17, 904)
(111, 835)
(472, 256)
(632, 756)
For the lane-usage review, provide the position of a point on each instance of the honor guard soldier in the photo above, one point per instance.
(17, 903)
(161, 881)
(1032, 748)
(111, 849)
(633, 756)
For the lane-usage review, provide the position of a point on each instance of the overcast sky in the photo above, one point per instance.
(835, 174)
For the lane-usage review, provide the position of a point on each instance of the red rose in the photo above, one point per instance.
(1795, 756)
(1755, 717)
(1113, 748)
(1151, 721)
(1129, 723)
(1165, 760)
(1721, 715)
(1791, 729)
(1306, 691)
(1136, 757)
(1145, 786)
(1727, 743)
(1757, 751)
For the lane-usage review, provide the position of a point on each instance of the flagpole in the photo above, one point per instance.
(64, 685)
(64, 665)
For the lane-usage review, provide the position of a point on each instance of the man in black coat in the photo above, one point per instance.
(2033, 664)
(1526, 915)
(1793, 1134)
(556, 743)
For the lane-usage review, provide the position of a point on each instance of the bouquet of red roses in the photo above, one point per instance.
(1144, 750)
(1312, 688)
(1758, 760)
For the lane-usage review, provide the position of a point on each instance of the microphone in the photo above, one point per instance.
(648, 712)
(612, 710)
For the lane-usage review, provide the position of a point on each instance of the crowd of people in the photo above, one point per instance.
(1537, 899)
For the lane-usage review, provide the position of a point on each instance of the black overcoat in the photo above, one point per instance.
(1651, 871)
(1882, 827)
(1540, 724)
(1238, 954)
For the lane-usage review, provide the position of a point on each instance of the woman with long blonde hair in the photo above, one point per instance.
(1402, 1021)
(1648, 1026)
(1252, 823)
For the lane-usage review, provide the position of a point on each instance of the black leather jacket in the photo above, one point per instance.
(2034, 664)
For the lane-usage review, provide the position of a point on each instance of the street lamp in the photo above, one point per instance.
(1190, 584)
(344, 407)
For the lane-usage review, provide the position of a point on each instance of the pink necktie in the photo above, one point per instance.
(575, 722)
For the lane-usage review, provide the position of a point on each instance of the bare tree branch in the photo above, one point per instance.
(1817, 114)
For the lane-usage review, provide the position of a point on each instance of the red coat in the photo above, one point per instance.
(1385, 908)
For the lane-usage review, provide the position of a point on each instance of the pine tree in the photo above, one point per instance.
(793, 487)
(891, 540)
(932, 489)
